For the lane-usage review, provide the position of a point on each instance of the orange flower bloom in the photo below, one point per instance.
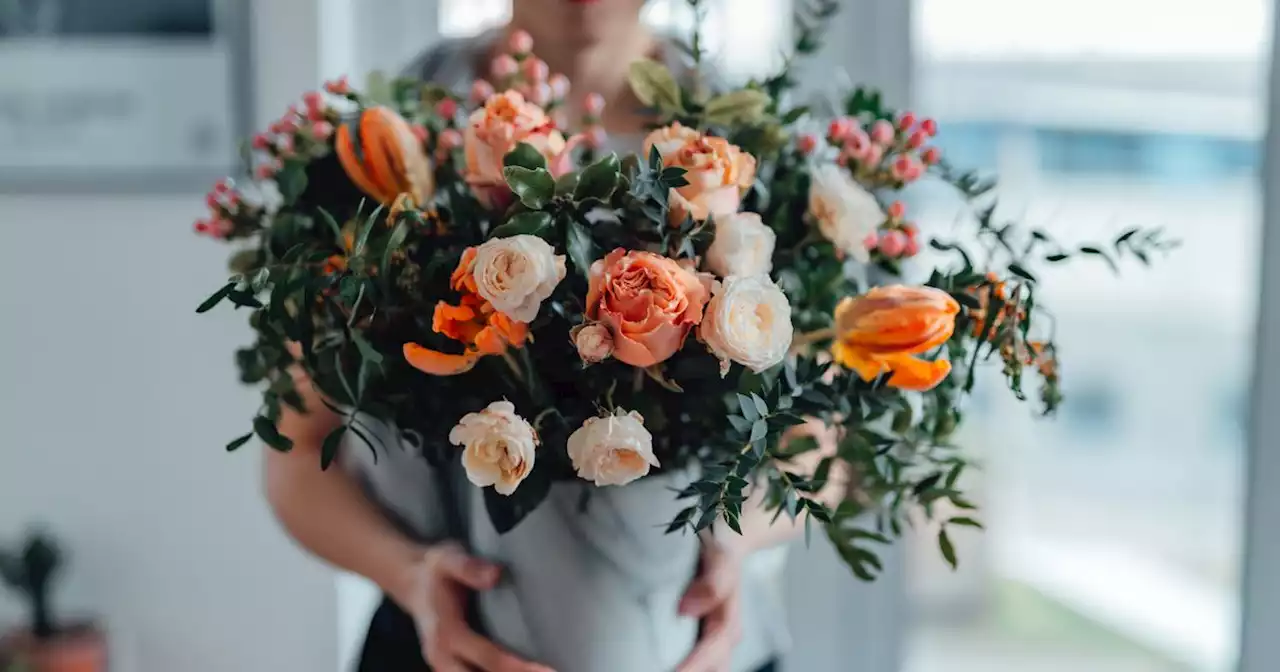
(390, 160)
(473, 322)
(881, 331)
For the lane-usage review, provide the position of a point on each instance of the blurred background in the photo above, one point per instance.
(1117, 534)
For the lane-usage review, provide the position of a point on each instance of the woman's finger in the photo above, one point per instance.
(714, 650)
(487, 657)
(471, 572)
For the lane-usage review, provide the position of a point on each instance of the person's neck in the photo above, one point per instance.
(598, 67)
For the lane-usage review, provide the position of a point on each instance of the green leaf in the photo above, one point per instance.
(1055, 258)
(748, 407)
(582, 249)
(266, 430)
(741, 424)
(762, 407)
(333, 226)
(1021, 272)
(759, 430)
(744, 106)
(244, 299)
(598, 180)
(216, 298)
(965, 522)
(534, 188)
(525, 223)
(329, 449)
(398, 236)
(367, 351)
(237, 443)
(525, 156)
(369, 225)
(566, 184)
(947, 548)
(655, 86)
(292, 181)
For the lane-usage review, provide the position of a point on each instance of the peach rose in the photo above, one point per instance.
(719, 173)
(505, 121)
(648, 302)
(498, 447)
(882, 331)
(593, 341)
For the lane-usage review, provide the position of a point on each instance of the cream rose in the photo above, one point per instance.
(846, 213)
(517, 274)
(613, 450)
(718, 173)
(593, 341)
(743, 246)
(497, 447)
(748, 321)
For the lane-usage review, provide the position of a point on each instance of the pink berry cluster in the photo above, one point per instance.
(226, 206)
(886, 154)
(896, 238)
(519, 70)
(301, 132)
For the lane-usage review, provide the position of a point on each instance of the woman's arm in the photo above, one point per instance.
(326, 511)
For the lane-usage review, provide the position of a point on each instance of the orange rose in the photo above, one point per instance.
(473, 322)
(390, 160)
(881, 330)
(505, 121)
(648, 302)
(718, 173)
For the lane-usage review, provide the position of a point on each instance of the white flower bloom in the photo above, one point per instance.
(497, 447)
(614, 450)
(748, 321)
(846, 213)
(743, 246)
(517, 274)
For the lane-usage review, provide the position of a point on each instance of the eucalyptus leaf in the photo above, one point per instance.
(216, 298)
(745, 106)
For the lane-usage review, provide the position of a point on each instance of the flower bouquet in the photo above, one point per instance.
(566, 321)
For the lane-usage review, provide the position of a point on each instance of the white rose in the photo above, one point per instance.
(743, 246)
(612, 451)
(846, 212)
(593, 341)
(748, 321)
(497, 447)
(517, 274)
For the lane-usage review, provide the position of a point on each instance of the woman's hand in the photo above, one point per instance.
(435, 595)
(714, 597)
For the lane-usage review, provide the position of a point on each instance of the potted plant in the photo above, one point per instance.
(46, 645)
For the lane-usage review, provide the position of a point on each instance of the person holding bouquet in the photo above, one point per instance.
(382, 519)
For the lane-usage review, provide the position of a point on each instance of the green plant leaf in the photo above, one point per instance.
(947, 548)
(534, 188)
(582, 249)
(566, 184)
(292, 181)
(216, 298)
(759, 430)
(525, 156)
(329, 449)
(598, 180)
(655, 86)
(369, 224)
(525, 223)
(266, 430)
(367, 351)
(394, 242)
(334, 227)
(238, 442)
(744, 106)
(965, 521)
(1021, 272)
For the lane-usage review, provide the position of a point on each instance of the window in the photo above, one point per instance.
(1114, 531)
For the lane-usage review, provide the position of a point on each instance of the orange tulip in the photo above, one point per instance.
(390, 160)
(881, 331)
(473, 322)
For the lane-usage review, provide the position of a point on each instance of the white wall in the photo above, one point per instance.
(116, 401)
